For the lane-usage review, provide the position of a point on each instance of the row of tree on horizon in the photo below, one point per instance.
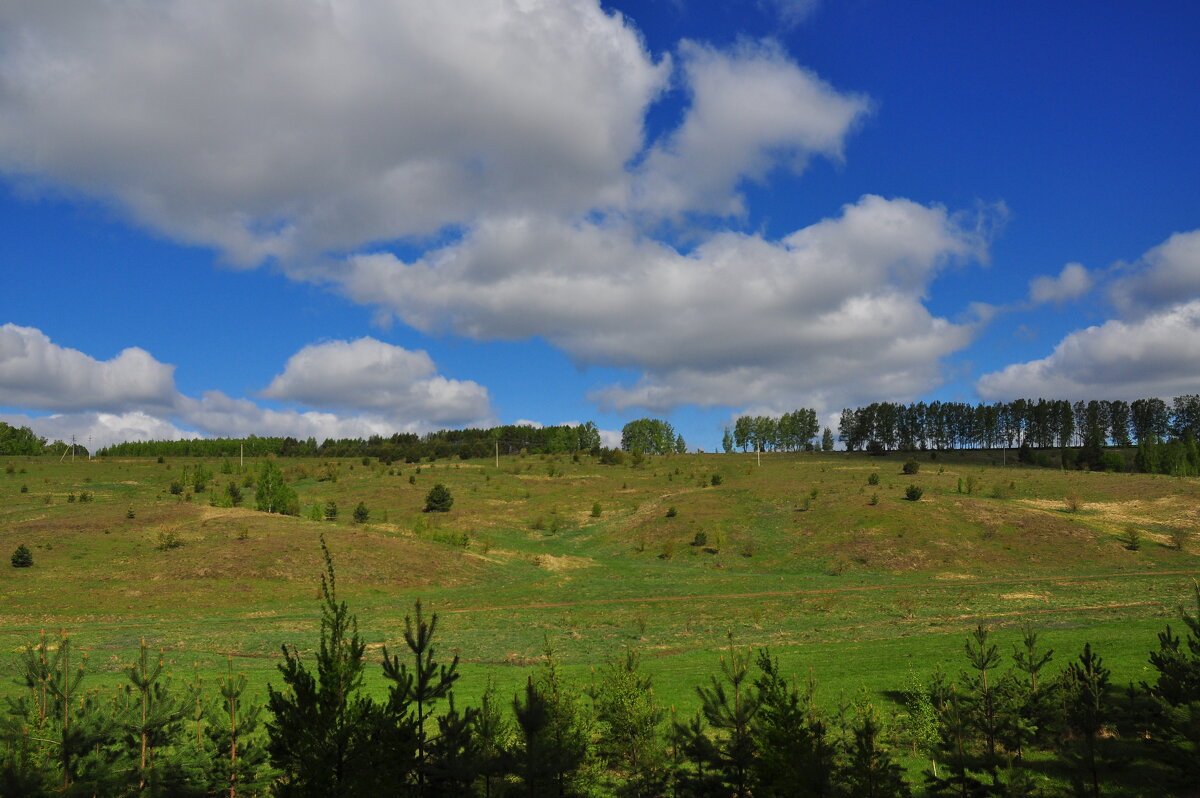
(878, 427)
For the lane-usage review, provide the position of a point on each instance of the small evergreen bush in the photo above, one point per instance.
(911, 467)
(22, 557)
(913, 493)
(361, 514)
(1131, 538)
(438, 500)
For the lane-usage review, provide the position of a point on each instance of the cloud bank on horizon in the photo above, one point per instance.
(514, 172)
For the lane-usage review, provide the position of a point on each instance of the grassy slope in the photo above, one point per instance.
(858, 592)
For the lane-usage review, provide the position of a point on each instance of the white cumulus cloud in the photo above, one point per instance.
(1151, 349)
(1155, 355)
(836, 305)
(98, 430)
(752, 109)
(1072, 282)
(360, 388)
(1166, 275)
(367, 374)
(285, 128)
(37, 373)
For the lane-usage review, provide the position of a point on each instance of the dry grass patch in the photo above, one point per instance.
(564, 562)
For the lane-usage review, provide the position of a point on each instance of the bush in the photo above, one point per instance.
(1131, 537)
(438, 500)
(1112, 461)
(1179, 538)
(911, 467)
(596, 510)
(176, 487)
(331, 511)
(612, 457)
(716, 480)
(1073, 502)
(22, 557)
(672, 512)
(873, 479)
(700, 540)
(913, 493)
(361, 514)
(167, 538)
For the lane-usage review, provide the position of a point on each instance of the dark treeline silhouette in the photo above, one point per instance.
(1020, 729)
(1165, 434)
(401, 447)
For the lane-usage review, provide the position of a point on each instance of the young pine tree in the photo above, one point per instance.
(794, 754)
(729, 705)
(1086, 710)
(321, 736)
(630, 723)
(1175, 725)
(869, 770)
(413, 694)
(238, 755)
(555, 733)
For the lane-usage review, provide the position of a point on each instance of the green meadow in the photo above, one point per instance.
(847, 581)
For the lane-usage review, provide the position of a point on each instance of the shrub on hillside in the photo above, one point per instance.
(911, 466)
(361, 513)
(913, 493)
(22, 557)
(438, 500)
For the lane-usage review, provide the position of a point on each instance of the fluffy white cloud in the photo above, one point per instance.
(372, 375)
(97, 430)
(374, 388)
(752, 109)
(221, 415)
(1166, 275)
(1156, 355)
(37, 373)
(1152, 349)
(287, 128)
(834, 305)
(1072, 282)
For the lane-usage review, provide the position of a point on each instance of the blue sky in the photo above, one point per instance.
(338, 219)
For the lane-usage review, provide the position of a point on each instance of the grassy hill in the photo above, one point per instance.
(801, 553)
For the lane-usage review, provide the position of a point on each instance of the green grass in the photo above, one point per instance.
(797, 558)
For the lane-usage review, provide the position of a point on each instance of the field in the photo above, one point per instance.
(845, 580)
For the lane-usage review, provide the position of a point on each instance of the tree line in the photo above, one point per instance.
(1035, 423)
(791, 432)
(986, 731)
(400, 447)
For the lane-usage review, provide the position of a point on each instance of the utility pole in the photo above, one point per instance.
(497, 454)
(241, 456)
